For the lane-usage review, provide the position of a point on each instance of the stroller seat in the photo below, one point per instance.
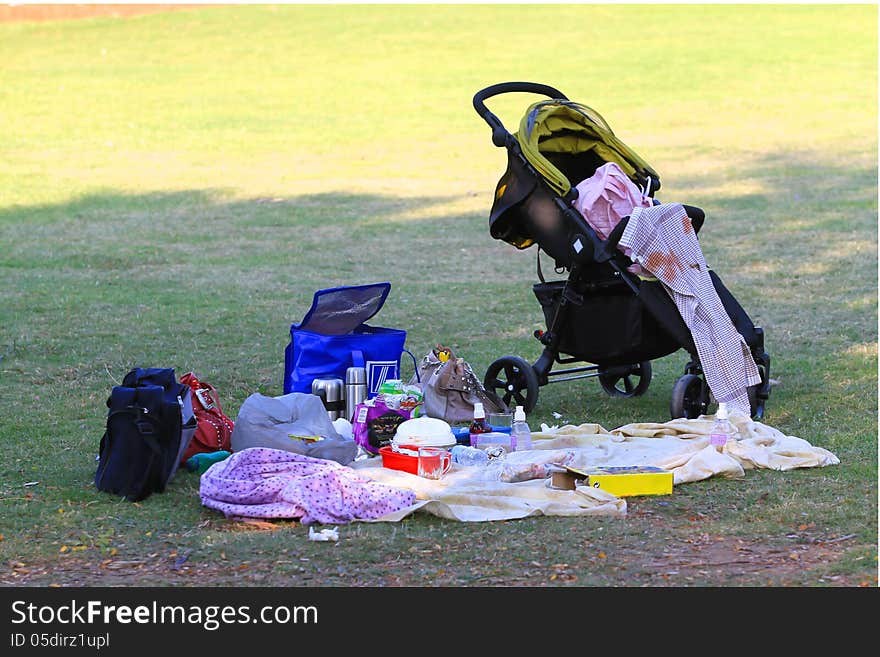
(559, 144)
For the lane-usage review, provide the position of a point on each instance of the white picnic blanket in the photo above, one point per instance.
(476, 493)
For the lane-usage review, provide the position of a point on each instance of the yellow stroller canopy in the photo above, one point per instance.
(552, 127)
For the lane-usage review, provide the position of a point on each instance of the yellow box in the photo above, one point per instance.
(626, 480)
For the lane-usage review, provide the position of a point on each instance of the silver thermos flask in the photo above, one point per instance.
(355, 390)
(330, 391)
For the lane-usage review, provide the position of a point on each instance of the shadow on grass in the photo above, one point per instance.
(800, 257)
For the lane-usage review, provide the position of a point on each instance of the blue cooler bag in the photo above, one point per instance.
(333, 337)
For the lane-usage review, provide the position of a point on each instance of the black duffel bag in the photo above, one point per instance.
(150, 423)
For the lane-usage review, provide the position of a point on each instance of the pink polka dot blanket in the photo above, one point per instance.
(261, 482)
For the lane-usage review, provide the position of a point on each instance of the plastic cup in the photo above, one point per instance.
(434, 462)
(502, 420)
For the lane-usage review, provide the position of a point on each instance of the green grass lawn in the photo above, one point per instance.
(174, 187)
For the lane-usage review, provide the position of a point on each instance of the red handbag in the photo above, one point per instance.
(214, 429)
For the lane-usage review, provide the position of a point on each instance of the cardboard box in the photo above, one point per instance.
(622, 481)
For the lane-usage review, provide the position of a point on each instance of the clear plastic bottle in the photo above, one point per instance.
(479, 424)
(722, 430)
(520, 432)
(466, 455)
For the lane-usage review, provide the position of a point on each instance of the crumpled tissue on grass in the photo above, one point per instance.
(325, 534)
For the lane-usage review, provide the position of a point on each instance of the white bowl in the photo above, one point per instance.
(424, 432)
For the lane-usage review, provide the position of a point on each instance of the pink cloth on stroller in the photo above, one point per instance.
(261, 482)
(605, 198)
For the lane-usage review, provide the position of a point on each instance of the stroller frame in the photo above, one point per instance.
(597, 270)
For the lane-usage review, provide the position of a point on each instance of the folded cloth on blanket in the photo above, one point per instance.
(262, 482)
(477, 493)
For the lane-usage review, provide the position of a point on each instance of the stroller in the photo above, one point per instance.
(559, 144)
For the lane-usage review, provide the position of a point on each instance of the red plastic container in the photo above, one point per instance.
(398, 461)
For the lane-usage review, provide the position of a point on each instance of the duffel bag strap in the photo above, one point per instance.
(147, 426)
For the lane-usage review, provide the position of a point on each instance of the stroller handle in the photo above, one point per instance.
(499, 132)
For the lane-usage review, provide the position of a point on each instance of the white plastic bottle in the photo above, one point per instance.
(520, 432)
(722, 429)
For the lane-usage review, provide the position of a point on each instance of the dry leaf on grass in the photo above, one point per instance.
(249, 525)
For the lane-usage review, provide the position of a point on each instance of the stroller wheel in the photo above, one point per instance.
(514, 381)
(690, 397)
(618, 381)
